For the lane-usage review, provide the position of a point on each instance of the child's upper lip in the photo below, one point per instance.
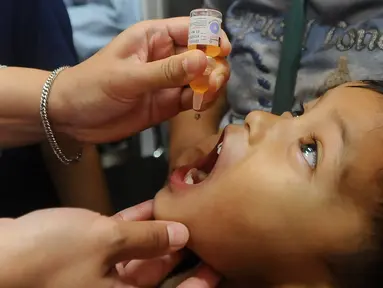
(176, 180)
(233, 150)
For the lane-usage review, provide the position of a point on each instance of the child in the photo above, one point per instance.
(291, 199)
(351, 29)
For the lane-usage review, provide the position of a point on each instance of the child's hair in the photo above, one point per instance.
(363, 269)
(360, 269)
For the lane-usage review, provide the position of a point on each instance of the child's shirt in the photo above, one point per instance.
(344, 28)
(96, 22)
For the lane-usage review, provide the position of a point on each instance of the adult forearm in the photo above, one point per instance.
(20, 91)
(82, 185)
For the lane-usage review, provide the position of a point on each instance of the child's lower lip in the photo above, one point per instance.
(177, 178)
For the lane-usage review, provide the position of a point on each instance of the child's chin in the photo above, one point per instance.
(161, 206)
(167, 207)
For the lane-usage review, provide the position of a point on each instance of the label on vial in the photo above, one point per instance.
(204, 30)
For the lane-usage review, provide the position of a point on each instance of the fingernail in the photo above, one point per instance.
(190, 67)
(211, 64)
(219, 82)
(178, 235)
(192, 62)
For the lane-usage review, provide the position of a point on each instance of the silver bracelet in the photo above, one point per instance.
(47, 125)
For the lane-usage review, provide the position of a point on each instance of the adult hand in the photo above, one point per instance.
(136, 81)
(77, 248)
(151, 272)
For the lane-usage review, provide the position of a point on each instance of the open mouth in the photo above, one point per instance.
(199, 171)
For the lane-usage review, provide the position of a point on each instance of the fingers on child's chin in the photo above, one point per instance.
(204, 277)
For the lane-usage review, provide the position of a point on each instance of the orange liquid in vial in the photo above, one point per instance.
(201, 84)
(210, 50)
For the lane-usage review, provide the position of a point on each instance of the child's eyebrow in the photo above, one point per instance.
(338, 119)
(345, 132)
(374, 85)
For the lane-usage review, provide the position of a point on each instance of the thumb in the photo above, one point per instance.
(147, 239)
(172, 72)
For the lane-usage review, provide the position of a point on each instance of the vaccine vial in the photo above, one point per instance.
(204, 35)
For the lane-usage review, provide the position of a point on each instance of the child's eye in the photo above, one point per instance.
(298, 112)
(310, 154)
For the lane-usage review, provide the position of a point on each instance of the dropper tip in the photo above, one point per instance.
(197, 101)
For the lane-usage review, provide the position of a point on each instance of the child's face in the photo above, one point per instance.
(286, 192)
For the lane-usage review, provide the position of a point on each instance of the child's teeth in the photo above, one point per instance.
(189, 180)
(219, 148)
(194, 175)
(189, 177)
(201, 176)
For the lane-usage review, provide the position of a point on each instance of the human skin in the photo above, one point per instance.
(136, 81)
(285, 193)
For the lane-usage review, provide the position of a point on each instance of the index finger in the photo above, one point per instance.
(140, 212)
(205, 277)
(145, 240)
(148, 273)
(178, 30)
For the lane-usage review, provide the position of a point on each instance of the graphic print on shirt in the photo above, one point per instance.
(257, 38)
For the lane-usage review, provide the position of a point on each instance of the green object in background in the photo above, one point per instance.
(290, 58)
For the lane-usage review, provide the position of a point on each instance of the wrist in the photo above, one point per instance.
(57, 108)
(60, 108)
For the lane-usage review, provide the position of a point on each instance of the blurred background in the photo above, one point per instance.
(136, 168)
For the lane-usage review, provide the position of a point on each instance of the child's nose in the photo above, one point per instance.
(259, 122)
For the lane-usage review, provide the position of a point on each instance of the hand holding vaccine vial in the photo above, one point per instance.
(204, 35)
